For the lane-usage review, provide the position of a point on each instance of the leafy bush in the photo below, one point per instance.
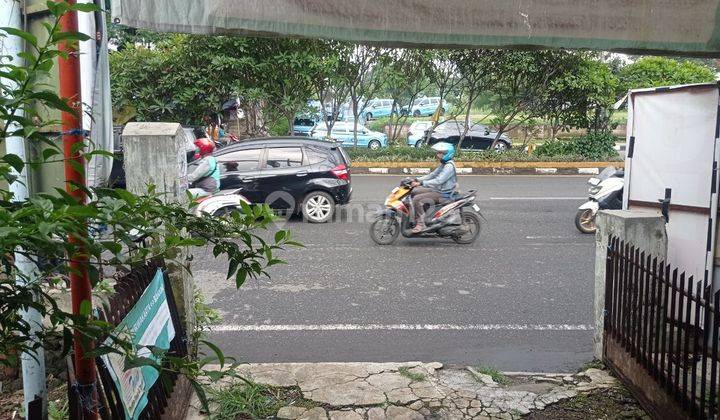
(592, 146)
(424, 154)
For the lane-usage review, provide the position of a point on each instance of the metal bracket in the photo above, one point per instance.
(631, 147)
(665, 204)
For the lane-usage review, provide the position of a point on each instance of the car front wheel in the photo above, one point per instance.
(416, 113)
(368, 116)
(420, 143)
(374, 145)
(318, 207)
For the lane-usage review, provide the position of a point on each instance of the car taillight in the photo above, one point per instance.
(341, 172)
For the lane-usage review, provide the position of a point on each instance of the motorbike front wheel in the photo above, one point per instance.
(585, 221)
(384, 229)
(470, 227)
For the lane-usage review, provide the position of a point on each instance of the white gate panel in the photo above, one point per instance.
(672, 145)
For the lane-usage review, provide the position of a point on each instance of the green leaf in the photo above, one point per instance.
(50, 152)
(14, 161)
(113, 247)
(85, 7)
(85, 308)
(280, 235)
(50, 98)
(30, 38)
(70, 36)
(216, 350)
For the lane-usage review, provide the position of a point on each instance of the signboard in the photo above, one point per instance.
(687, 27)
(672, 146)
(148, 324)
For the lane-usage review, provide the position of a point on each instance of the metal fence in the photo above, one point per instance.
(661, 334)
(168, 397)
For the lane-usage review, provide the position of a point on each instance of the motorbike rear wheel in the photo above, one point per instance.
(384, 229)
(585, 221)
(471, 227)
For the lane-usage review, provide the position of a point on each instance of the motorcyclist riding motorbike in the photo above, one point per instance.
(433, 187)
(206, 177)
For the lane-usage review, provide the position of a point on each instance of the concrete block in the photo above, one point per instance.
(378, 170)
(416, 171)
(588, 171)
(546, 171)
(643, 229)
(464, 170)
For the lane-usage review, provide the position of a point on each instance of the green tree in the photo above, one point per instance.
(648, 72)
(581, 96)
(520, 84)
(405, 74)
(39, 227)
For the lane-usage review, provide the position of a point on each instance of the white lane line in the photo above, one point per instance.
(538, 198)
(549, 237)
(405, 327)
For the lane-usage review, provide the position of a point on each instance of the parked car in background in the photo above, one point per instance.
(342, 132)
(378, 108)
(478, 137)
(304, 124)
(426, 106)
(307, 176)
(416, 132)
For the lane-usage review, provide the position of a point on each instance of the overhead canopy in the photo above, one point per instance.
(684, 27)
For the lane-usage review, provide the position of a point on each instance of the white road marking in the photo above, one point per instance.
(548, 237)
(404, 327)
(538, 198)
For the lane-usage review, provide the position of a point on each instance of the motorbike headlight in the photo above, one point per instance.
(595, 189)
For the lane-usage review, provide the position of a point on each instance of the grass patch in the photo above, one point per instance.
(592, 364)
(253, 400)
(413, 376)
(495, 374)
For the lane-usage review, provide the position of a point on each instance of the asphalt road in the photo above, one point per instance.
(519, 299)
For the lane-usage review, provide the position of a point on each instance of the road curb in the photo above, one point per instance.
(486, 168)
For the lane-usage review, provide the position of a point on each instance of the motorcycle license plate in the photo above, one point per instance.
(476, 207)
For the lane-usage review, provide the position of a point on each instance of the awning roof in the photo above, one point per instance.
(682, 27)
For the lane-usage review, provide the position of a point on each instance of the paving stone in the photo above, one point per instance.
(357, 392)
(401, 396)
(417, 405)
(402, 413)
(426, 392)
(475, 403)
(462, 403)
(388, 381)
(474, 411)
(376, 413)
(291, 412)
(316, 413)
(345, 415)
(324, 380)
(465, 393)
(434, 404)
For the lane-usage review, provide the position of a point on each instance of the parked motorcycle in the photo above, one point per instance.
(606, 193)
(457, 218)
(220, 203)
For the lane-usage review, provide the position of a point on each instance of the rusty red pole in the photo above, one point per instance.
(80, 287)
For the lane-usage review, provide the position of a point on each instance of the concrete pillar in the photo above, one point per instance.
(645, 230)
(155, 153)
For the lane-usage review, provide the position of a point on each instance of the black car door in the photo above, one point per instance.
(241, 169)
(283, 177)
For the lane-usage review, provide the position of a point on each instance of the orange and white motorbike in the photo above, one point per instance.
(457, 218)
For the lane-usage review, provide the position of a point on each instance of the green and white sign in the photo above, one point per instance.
(149, 325)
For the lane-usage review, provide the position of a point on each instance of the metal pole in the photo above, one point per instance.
(33, 362)
(80, 288)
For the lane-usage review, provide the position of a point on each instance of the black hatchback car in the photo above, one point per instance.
(291, 173)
